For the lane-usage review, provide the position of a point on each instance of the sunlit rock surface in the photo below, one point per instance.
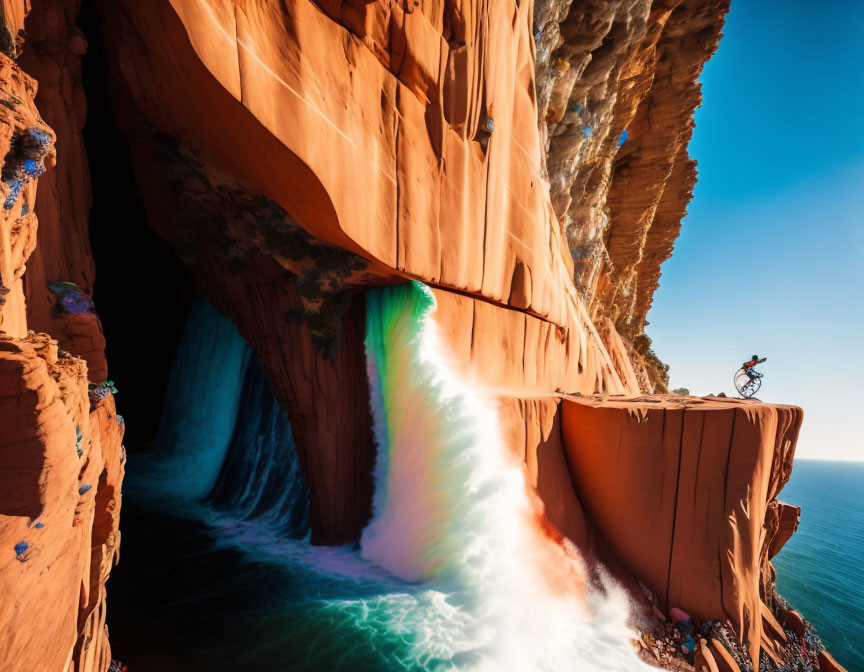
(617, 87)
(61, 468)
(684, 490)
(61, 458)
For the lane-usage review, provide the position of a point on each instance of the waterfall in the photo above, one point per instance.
(201, 403)
(261, 476)
(452, 511)
(454, 572)
(223, 435)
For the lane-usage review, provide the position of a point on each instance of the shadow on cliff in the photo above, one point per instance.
(142, 291)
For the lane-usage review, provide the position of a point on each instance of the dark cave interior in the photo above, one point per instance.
(142, 291)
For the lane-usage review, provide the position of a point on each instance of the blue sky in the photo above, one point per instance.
(771, 253)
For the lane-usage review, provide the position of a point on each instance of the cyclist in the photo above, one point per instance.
(749, 366)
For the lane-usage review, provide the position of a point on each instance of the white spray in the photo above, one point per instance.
(452, 511)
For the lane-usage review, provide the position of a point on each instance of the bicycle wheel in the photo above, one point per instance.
(741, 380)
(746, 385)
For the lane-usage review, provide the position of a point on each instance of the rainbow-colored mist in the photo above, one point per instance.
(452, 511)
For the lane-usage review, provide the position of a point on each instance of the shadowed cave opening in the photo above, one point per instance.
(174, 593)
(223, 482)
(142, 291)
(188, 594)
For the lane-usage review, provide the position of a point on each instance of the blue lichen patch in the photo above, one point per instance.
(25, 161)
(71, 299)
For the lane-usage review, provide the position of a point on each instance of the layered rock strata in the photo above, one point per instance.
(616, 88)
(61, 467)
(52, 56)
(61, 454)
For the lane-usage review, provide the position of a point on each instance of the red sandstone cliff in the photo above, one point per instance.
(684, 491)
(61, 458)
(295, 153)
(61, 466)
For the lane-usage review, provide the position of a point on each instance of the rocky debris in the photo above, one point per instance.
(98, 392)
(711, 646)
(24, 162)
(71, 299)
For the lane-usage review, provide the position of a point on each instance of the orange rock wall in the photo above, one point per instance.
(52, 615)
(59, 509)
(52, 56)
(18, 222)
(653, 175)
(450, 193)
(684, 491)
(511, 353)
(415, 98)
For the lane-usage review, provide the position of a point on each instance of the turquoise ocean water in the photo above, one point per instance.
(821, 569)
